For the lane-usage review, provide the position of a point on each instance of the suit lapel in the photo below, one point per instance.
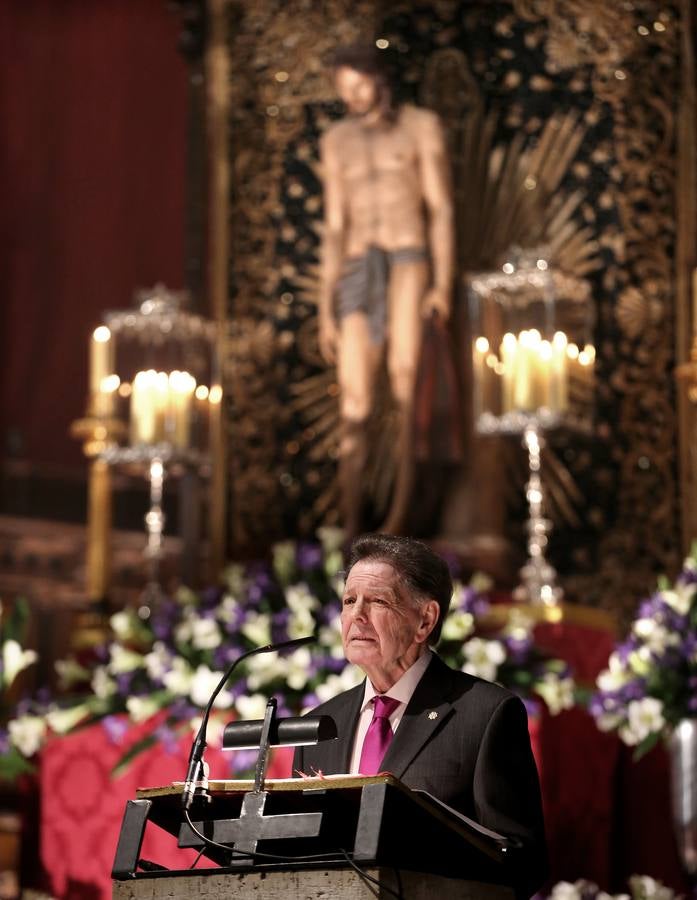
(426, 711)
(336, 755)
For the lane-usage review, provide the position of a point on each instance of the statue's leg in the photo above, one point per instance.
(357, 361)
(407, 286)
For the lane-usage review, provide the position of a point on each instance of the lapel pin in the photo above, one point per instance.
(433, 715)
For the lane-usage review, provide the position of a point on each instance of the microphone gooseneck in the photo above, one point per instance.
(193, 772)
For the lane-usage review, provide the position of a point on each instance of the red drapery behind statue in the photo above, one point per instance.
(93, 98)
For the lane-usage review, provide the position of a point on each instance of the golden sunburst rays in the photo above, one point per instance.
(510, 194)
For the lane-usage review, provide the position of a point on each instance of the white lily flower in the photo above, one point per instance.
(458, 626)
(300, 624)
(214, 731)
(203, 683)
(644, 717)
(141, 708)
(647, 888)
(14, 660)
(158, 661)
(64, 720)
(332, 538)
(330, 638)
(123, 624)
(483, 658)
(298, 668)
(680, 598)
(27, 733)
(349, 677)
(257, 628)
(228, 609)
(178, 679)
(656, 637)
(70, 672)
(558, 693)
(608, 721)
(564, 890)
(263, 669)
(251, 707)
(102, 684)
(615, 676)
(184, 630)
(205, 634)
(123, 660)
(639, 661)
(283, 556)
(299, 598)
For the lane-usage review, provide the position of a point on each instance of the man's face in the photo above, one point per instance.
(357, 90)
(382, 628)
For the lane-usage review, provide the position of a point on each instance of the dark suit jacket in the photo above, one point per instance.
(474, 755)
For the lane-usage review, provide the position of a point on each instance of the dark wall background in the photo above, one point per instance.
(93, 105)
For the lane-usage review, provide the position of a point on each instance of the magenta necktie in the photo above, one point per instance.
(378, 736)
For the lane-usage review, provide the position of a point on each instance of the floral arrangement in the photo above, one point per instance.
(650, 683)
(641, 887)
(166, 666)
(13, 660)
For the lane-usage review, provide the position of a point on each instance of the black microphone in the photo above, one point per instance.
(199, 744)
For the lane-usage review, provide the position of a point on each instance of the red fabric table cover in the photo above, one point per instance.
(82, 805)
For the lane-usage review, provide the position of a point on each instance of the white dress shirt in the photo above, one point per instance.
(402, 690)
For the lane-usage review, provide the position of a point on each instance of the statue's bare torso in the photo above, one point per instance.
(379, 166)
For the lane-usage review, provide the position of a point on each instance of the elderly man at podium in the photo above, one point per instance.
(462, 739)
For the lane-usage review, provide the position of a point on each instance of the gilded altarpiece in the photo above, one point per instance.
(563, 124)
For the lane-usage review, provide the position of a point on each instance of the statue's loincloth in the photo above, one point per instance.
(363, 285)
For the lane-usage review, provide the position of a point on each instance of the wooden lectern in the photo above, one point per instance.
(309, 837)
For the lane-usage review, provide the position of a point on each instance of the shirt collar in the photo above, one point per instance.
(402, 689)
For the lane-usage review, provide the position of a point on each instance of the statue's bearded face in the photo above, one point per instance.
(359, 91)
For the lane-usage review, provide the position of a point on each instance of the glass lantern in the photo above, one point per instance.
(533, 364)
(155, 389)
(153, 370)
(533, 358)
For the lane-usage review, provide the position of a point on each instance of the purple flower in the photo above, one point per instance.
(4, 741)
(308, 556)
(687, 576)
(242, 761)
(310, 701)
(115, 728)
(182, 709)
(124, 681)
(168, 738)
(211, 597)
(634, 690)
(625, 648)
(518, 649)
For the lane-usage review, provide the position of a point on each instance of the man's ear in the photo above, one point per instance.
(429, 616)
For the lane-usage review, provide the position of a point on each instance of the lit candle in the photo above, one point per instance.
(559, 394)
(200, 436)
(100, 368)
(522, 387)
(544, 374)
(160, 401)
(481, 350)
(509, 354)
(181, 389)
(100, 357)
(143, 412)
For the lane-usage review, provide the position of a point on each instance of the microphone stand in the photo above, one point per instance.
(195, 767)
